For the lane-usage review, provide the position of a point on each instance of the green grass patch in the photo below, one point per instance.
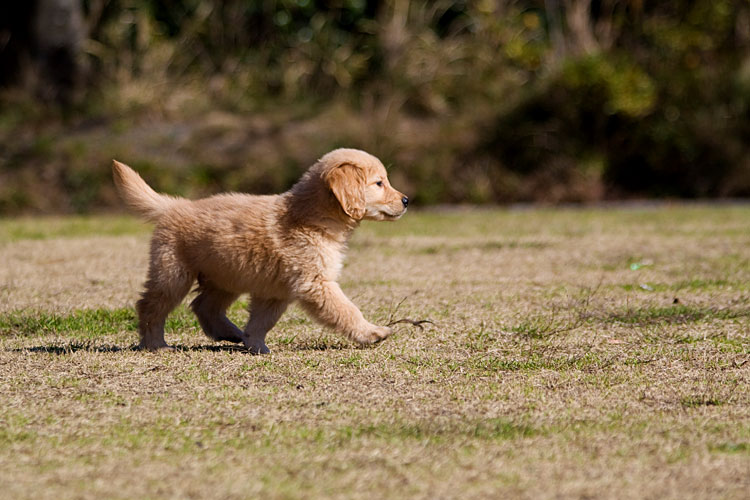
(94, 322)
(645, 287)
(41, 228)
(692, 285)
(540, 328)
(675, 314)
(485, 430)
(15, 428)
(703, 284)
(698, 400)
(583, 361)
(737, 345)
(87, 323)
(482, 246)
(731, 448)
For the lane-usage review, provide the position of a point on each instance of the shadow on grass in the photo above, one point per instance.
(72, 347)
(62, 349)
(675, 314)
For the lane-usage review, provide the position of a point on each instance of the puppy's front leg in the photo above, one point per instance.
(264, 313)
(326, 301)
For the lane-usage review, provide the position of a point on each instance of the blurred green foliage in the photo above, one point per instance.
(469, 101)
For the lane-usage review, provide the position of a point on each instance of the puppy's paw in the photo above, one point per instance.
(258, 348)
(374, 334)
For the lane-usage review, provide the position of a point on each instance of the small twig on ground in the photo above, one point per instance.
(414, 322)
(395, 309)
(417, 323)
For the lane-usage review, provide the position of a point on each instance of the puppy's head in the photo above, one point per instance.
(360, 183)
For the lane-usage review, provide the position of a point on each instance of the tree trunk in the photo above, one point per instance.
(58, 33)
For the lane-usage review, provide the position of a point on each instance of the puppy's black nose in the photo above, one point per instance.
(405, 201)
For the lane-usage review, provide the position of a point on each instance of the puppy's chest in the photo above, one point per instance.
(324, 259)
(333, 261)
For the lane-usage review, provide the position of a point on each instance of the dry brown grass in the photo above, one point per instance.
(553, 368)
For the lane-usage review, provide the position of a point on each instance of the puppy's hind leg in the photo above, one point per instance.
(168, 283)
(264, 313)
(210, 306)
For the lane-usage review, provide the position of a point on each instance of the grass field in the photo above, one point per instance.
(593, 353)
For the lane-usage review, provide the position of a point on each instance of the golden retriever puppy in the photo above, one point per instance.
(278, 248)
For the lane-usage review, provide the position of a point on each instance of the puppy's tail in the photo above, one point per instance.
(138, 195)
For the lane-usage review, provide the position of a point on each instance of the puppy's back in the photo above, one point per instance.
(231, 239)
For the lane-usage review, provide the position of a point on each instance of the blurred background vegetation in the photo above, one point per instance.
(485, 101)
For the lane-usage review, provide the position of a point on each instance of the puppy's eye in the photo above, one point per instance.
(379, 183)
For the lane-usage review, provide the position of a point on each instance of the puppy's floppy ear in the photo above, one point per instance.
(347, 182)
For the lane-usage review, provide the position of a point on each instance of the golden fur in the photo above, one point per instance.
(278, 248)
